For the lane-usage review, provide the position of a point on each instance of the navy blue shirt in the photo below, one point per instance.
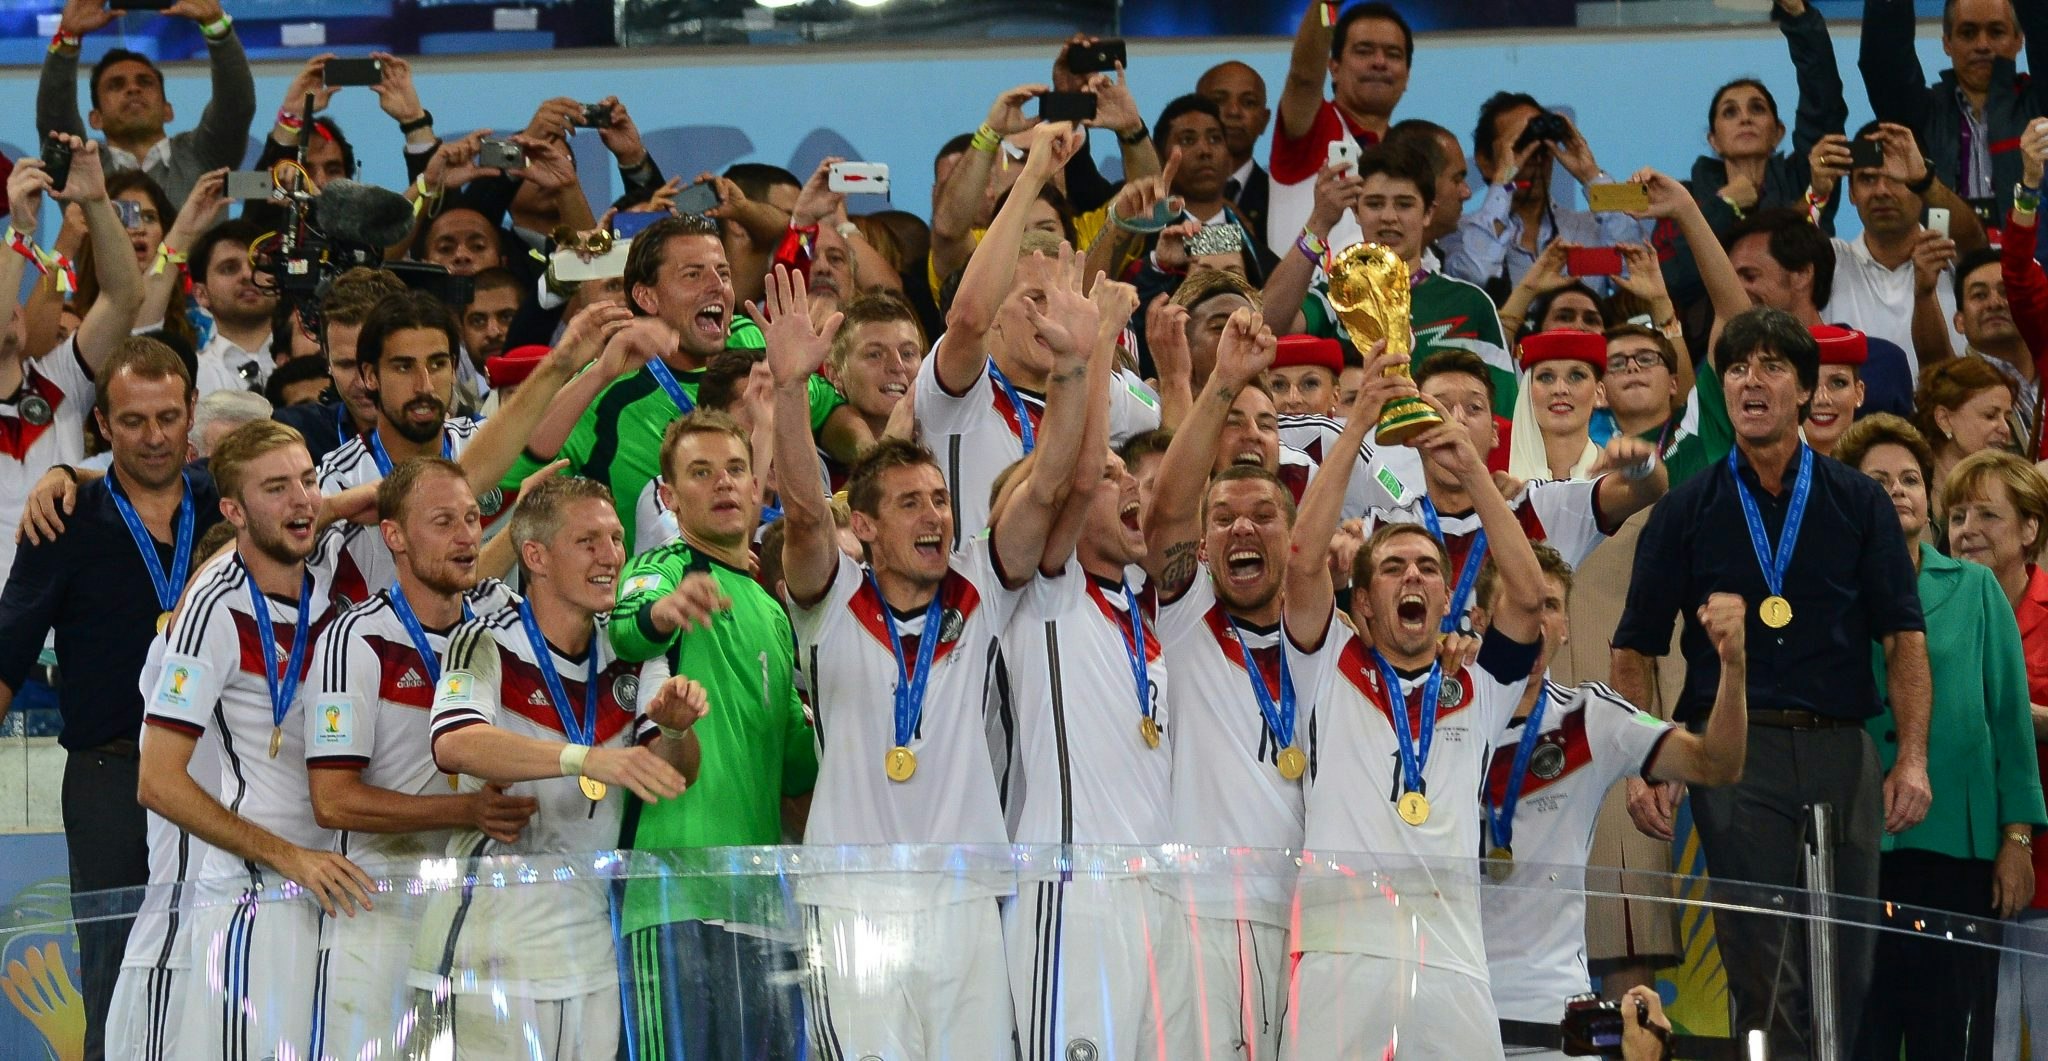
(92, 587)
(1851, 582)
(1887, 380)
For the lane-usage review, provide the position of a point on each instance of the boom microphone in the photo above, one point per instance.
(363, 214)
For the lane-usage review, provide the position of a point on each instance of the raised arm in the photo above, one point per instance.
(1668, 198)
(1115, 302)
(1336, 190)
(1173, 524)
(222, 135)
(499, 442)
(796, 347)
(1069, 324)
(1715, 755)
(961, 196)
(1890, 66)
(1139, 197)
(993, 266)
(24, 192)
(1166, 337)
(112, 315)
(1308, 67)
(1310, 594)
(1518, 613)
(57, 91)
(202, 206)
(1822, 110)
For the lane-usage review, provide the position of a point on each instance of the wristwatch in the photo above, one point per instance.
(1135, 138)
(2022, 837)
(1926, 180)
(424, 121)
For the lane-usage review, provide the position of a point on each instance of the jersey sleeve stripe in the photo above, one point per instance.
(337, 762)
(178, 724)
(199, 608)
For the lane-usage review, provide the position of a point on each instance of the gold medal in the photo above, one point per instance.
(454, 782)
(163, 622)
(1500, 863)
(1148, 728)
(593, 789)
(1775, 611)
(1292, 762)
(276, 740)
(1414, 808)
(900, 763)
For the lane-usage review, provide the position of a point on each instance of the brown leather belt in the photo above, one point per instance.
(123, 748)
(1799, 720)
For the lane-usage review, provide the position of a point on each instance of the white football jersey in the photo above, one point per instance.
(157, 939)
(1380, 479)
(551, 942)
(843, 649)
(57, 389)
(371, 698)
(976, 435)
(1088, 774)
(1353, 789)
(1227, 788)
(212, 687)
(1536, 927)
(366, 565)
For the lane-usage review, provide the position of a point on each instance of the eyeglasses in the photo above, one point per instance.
(1640, 361)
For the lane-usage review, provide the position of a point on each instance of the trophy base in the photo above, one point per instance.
(1403, 420)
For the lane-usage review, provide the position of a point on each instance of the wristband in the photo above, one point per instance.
(2025, 198)
(217, 30)
(985, 140)
(571, 760)
(671, 732)
(44, 261)
(288, 120)
(1640, 470)
(1311, 247)
(1134, 139)
(1926, 180)
(166, 257)
(1815, 203)
(63, 40)
(424, 121)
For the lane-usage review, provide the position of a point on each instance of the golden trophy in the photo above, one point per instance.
(1369, 290)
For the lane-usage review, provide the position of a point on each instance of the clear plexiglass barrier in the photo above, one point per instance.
(979, 953)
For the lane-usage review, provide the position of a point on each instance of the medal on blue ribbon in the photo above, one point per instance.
(1775, 611)
(1141, 672)
(1414, 747)
(1468, 576)
(1026, 433)
(1500, 820)
(383, 459)
(1279, 714)
(668, 382)
(583, 731)
(281, 689)
(166, 584)
(900, 763)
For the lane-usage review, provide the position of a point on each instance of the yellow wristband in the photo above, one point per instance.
(986, 140)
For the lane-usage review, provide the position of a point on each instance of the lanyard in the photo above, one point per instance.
(668, 383)
(910, 683)
(1025, 432)
(413, 629)
(342, 427)
(166, 585)
(1776, 562)
(1502, 818)
(281, 689)
(1280, 715)
(584, 733)
(1141, 670)
(383, 459)
(1414, 752)
(1468, 576)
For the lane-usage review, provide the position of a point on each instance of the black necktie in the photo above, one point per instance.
(1231, 188)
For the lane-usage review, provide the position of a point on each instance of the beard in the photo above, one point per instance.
(271, 542)
(445, 579)
(418, 434)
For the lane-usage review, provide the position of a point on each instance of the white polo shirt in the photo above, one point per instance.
(1879, 302)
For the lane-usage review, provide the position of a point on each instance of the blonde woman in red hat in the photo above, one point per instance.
(1835, 401)
(1560, 386)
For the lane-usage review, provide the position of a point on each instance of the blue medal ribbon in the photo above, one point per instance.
(1279, 715)
(1025, 432)
(585, 731)
(910, 683)
(1141, 669)
(166, 585)
(1501, 819)
(669, 383)
(383, 459)
(418, 632)
(281, 689)
(1776, 562)
(1468, 576)
(1414, 752)
(342, 427)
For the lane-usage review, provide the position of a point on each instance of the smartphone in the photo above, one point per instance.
(1076, 107)
(1343, 154)
(597, 116)
(1593, 261)
(1103, 56)
(696, 199)
(1937, 219)
(627, 225)
(858, 178)
(56, 162)
(129, 212)
(343, 72)
(570, 267)
(1866, 154)
(139, 5)
(502, 155)
(1628, 198)
(250, 184)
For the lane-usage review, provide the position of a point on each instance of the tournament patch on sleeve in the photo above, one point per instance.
(639, 584)
(1392, 484)
(457, 687)
(175, 686)
(334, 722)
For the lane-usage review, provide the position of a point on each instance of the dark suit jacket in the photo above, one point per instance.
(1252, 201)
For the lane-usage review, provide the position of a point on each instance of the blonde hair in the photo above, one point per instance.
(1975, 475)
(244, 444)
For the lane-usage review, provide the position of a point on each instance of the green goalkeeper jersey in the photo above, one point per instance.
(758, 745)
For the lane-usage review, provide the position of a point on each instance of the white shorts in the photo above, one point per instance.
(1357, 1006)
(256, 980)
(904, 986)
(369, 1003)
(1086, 975)
(1235, 988)
(500, 1027)
(146, 1015)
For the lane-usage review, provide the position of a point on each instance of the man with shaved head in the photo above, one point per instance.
(1240, 93)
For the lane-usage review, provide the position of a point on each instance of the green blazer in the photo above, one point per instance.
(1980, 743)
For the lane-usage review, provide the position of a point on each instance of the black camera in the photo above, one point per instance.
(56, 162)
(1593, 1027)
(597, 115)
(1548, 127)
